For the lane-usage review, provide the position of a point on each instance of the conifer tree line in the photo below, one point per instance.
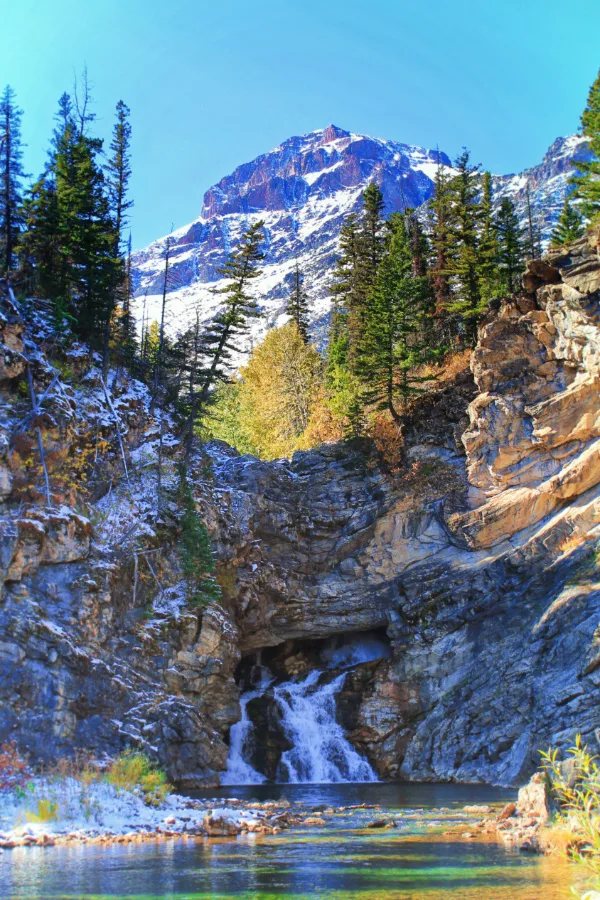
(64, 238)
(411, 287)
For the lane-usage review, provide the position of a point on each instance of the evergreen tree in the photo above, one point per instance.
(511, 252)
(532, 249)
(418, 242)
(344, 291)
(220, 340)
(440, 212)
(68, 250)
(463, 262)
(587, 180)
(87, 233)
(11, 174)
(126, 334)
(371, 239)
(297, 306)
(569, 226)
(489, 273)
(370, 247)
(118, 173)
(393, 341)
(195, 549)
(64, 122)
(190, 348)
(41, 256)
(360, 252)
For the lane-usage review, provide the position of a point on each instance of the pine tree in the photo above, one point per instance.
(488, 254)
(297, 306)
(569, 226)
(126, 337)
(11, 174)
(195, 549)
(393, 341)
(370, 247)
(220, 340)
(463, 263)
(65, 122)
(531, 241)
(118, 173)
(68, 246)
(87, 233)
(360, 252)
(440, 211)
(45, 251)
(190, 348)
(587, 180)
(511, 252)
(40, 252)
(371, 238)
(158, 367)
(344, 291)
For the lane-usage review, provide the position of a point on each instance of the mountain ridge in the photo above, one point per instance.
(303, 189)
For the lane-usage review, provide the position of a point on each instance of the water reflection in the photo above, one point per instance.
(345, 861)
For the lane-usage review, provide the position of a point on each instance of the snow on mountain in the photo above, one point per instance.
(303, 190)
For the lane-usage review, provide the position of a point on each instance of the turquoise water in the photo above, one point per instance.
(342, 861)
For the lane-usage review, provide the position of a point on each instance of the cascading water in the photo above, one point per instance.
(320, 751)
(238, 770)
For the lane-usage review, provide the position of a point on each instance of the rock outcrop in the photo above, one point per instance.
(482, 567)
(477, 559)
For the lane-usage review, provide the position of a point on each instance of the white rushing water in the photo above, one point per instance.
(239, 771)
(321, 753)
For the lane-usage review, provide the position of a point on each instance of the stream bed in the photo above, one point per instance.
(418, 859)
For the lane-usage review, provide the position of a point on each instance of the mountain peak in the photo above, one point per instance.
(303, 190)
(332, 133)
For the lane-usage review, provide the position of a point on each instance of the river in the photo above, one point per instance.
(419, 859)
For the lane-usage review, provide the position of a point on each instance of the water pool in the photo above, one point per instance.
(420, 859)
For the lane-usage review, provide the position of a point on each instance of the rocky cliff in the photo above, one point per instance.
(476, 561)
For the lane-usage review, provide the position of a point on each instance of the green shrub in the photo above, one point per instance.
(576, 788)
(133, 770)
(195, 549)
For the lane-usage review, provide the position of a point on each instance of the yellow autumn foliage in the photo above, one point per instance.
(279, 387)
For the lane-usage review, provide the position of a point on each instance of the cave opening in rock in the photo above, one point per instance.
(299, 704)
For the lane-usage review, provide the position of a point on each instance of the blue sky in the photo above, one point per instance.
(213, 84)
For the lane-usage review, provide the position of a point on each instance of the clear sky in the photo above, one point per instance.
(213, 84)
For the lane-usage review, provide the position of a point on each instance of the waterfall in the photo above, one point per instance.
(239, 771)
(321, 751)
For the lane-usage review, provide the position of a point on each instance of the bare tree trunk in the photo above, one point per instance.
(158, 374)
(530, 221)
(119, 435)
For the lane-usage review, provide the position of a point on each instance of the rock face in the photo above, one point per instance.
(477, 559)
(91, 655)
(302, 191)
(483, 571)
